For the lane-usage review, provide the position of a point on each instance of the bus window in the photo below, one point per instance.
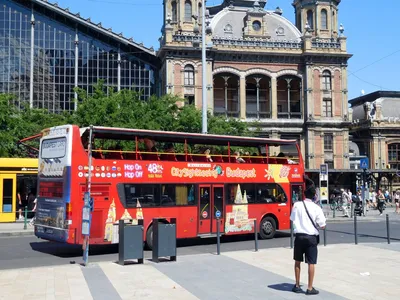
(143, 194)
(270, 193)
(255, 193)
(178, 194)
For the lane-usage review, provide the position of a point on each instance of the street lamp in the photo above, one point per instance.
(204, 68)
(203, 64)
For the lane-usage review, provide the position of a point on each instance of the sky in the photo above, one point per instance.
(370, 26)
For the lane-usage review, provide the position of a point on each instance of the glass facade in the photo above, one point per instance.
(59, 53)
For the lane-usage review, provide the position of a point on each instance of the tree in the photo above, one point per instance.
(18, 124)
(109, 108)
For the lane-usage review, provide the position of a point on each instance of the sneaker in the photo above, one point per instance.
(312, 292)
(297, 289)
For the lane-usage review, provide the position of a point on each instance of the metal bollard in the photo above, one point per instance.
(291, 235)
(26, 217)
(334, 209)
(388, 228)
(351, 209)
(355, 230)
(325, 236)
(255, 235)
(218, 239)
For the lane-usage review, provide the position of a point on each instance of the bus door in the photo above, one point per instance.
(211, 201)
(8, 193)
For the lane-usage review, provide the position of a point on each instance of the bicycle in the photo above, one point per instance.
(337, 204)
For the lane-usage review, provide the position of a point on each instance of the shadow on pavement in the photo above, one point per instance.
(285, 287)
(71, 251)
(364, 235)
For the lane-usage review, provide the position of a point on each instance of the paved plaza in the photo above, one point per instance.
(345, 271)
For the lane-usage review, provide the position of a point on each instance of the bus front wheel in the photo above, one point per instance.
(149, 237)
(267, 228)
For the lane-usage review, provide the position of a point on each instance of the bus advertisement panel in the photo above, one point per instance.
(133, 180)
(54, 184)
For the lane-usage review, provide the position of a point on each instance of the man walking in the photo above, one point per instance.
(306, 216)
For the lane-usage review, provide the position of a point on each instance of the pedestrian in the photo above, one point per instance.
(397, 201)
(306, 216)
(32, 221)
(345, 202)
(381, 201)
(373, 199)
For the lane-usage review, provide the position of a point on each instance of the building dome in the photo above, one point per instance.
(230, 23)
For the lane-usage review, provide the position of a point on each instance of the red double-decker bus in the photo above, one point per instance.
(193, 178)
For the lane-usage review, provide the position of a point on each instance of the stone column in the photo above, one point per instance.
(274, 100)
(210, 84)
(242, 97)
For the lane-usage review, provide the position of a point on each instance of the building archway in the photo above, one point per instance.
(226, 95)
(289, 97)
(258, 96)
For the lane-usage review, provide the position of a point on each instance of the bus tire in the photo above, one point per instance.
(267, 228)
(149, 237)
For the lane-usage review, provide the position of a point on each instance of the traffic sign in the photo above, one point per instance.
(217, 214)
(204, 215)
(364, 163)
(323, 169)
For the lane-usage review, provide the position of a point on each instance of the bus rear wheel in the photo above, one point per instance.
(149, 238)
(267, 228)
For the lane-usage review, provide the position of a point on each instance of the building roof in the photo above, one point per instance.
(373, 96)
(229, 22)
(46, 7)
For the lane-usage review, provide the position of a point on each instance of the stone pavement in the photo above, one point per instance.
(16, 229)
(368, 271)
(371, 215)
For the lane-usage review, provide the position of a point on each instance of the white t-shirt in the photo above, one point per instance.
(301, 221)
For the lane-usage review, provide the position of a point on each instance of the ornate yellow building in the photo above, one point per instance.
(291, 78)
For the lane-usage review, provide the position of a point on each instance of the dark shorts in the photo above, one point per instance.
(306, 245)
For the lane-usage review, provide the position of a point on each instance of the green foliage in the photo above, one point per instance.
(105, 107)
(16, 125)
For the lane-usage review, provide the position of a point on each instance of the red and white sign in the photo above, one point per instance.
(204, 214)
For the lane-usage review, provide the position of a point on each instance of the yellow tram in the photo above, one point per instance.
(17, 175)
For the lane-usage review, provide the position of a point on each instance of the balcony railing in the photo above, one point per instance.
(325, 44)
(227, 113)
(258, 115)
(256, 43)
(289, 115)
(187, 38)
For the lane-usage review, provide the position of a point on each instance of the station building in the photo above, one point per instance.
(289, 79)
(375, 133)
(46, 51)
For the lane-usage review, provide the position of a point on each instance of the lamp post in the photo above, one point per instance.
(204, 69)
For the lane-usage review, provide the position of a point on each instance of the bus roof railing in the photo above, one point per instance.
(114, 133)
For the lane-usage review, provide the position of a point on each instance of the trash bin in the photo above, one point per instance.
(164, 239)
(130, 241)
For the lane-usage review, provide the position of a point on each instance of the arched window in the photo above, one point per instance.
(189, 75)
(324, 19)
(326, 80)
(188, 11)
(394, 159)
(174, 11)
(310, 19)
